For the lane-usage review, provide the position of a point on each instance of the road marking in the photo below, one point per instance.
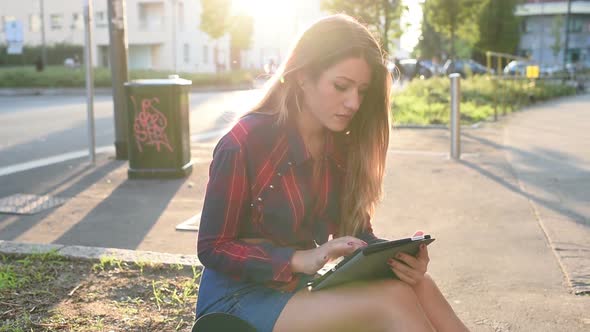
(51, 160)
(103, 149)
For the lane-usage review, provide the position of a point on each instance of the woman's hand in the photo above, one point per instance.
(409, 269)
(310, 261)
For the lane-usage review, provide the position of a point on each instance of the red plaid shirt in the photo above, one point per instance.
(260, 187)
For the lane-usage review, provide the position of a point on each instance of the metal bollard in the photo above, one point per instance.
(455, 116)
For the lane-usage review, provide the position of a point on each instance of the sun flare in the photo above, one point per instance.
(263, 9)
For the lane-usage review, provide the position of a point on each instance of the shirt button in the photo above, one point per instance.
(271, 186)
(290, 163)
(260, 199)
(279, 174)
(251, 204)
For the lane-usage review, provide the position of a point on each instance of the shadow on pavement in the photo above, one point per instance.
(123, 219)
(543, 162)
(82, 178)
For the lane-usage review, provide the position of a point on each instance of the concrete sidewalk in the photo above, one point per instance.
(511, 218)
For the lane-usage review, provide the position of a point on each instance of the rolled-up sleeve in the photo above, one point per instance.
(226, 207)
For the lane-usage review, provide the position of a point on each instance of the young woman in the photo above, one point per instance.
(306, 164)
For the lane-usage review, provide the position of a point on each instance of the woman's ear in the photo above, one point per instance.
(301, 79)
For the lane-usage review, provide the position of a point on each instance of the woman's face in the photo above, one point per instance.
(336, 96)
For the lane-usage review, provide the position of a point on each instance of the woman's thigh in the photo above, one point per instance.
(384, 305)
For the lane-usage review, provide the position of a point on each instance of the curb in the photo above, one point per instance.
(96, 253)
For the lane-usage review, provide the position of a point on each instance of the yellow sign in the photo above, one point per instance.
(532, 71)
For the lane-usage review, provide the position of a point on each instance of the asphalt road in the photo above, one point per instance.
(42, 128)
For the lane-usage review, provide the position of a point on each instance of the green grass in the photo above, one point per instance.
(61, 77)
(50, 292)
(426, 102)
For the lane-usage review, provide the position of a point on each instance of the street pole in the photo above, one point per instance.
(43, 42)
(174, 25)
(455, 116)
(567, 32)
(88, 21)
(119, 73)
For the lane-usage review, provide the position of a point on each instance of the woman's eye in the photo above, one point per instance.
(340, 87)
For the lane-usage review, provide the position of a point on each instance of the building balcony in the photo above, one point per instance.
(553, 8)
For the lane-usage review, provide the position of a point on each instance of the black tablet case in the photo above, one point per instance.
(368, 263)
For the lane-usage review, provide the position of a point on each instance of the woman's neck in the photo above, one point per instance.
(312, 132)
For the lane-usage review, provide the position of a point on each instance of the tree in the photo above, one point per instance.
(378, 15)
(499, 27)
(241, 30)
(431, 43)
(215, 17)
(556, 33)
(454, 19)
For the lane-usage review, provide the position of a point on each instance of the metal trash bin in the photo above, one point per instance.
(158, 128)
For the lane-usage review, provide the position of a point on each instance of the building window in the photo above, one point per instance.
(77, 21)
(56, 21)
(576, 24)
(151, 15)
(525, 26)
(4, 20)
(34, 23)
(101, 19)
(187, 53)
(205, 54)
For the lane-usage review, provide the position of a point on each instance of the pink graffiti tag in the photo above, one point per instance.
(150, 125)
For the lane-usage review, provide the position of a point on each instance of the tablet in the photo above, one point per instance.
(369, 262)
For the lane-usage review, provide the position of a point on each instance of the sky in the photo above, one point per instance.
(268, 9)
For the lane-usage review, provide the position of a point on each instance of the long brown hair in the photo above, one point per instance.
(327, 42)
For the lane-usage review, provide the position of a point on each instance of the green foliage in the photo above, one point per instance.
(454, 19)
(61, 77)
(56, 54)
(241, 31)
(499, 27)
(381, 17)
(425, 102)
(431, 43)
(215, 17)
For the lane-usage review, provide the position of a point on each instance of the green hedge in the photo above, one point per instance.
(56, 54)
(59, 76)
(425, 102)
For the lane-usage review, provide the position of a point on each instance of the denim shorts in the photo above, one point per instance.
(253, 302)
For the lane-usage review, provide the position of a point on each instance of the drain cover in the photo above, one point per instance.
(28, 204)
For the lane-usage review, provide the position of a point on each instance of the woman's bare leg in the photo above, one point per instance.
(384, 305)
(437, 309)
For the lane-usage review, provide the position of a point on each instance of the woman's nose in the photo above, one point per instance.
(353, 100)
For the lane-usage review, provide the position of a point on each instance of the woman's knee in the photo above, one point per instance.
(400, 307)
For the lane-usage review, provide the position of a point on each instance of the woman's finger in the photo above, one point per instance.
(423, 254)
(409, 260)
(403, 277)
(403, 268)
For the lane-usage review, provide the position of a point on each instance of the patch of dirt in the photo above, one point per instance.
(48, 292)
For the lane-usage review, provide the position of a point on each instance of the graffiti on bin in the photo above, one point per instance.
(149, 126)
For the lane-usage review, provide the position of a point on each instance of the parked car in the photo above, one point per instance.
(465, 67)
(411, 68)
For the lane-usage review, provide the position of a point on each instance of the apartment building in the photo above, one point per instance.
(162, 34)
(543, 30)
